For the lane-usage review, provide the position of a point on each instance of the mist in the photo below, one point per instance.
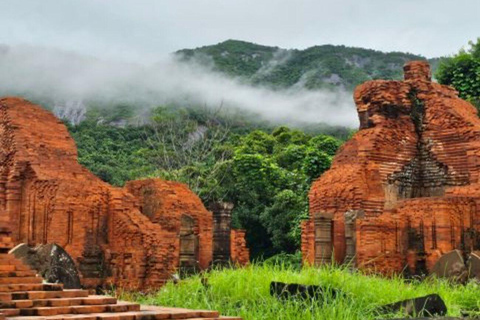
(72, 82)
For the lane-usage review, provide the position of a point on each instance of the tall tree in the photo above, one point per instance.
(462, 71)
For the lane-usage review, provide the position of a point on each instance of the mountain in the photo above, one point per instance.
(325, 66)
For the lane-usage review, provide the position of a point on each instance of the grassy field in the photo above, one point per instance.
(245, 292)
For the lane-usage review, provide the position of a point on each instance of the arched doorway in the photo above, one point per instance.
(188, 245)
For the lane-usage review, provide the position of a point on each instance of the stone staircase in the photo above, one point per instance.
(25, 296)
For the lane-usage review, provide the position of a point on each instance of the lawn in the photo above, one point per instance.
(245, 292)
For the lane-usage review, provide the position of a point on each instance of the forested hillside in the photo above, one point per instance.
(325, 66)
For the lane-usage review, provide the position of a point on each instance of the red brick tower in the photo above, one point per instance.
(405, 189)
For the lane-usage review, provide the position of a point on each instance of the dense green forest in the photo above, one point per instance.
(264, 170)
(462, 71)
(325, 66)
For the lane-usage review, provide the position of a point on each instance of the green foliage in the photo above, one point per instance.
(326, 143)
(291, 157)
(324, 66)
(462, 71)
(280, 217)
(245, 293)
(285, 261)
(315, 163)
(271, 176)
(257, 142)
(266, 173)
(114, 154)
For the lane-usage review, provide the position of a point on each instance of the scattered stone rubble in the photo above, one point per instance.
(405, 189)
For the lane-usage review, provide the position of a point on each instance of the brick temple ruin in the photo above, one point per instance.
(135, 237)
(405, 189)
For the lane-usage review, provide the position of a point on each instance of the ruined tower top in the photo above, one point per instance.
(417, 70)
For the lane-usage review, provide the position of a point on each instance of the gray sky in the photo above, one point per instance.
(144, 30)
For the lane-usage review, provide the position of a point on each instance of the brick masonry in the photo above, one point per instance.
(130, 237)
(239, 252)
(409, 179)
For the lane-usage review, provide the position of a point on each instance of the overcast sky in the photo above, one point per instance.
(146, 29)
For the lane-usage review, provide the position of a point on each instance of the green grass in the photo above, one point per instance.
(245, 292)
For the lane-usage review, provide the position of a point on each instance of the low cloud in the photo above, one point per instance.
(70, 80)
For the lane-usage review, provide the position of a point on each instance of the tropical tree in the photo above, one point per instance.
(462, 71)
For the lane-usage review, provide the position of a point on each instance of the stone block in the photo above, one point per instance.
(451, 266)
(427, 306)
(51, 262)
(286, 291)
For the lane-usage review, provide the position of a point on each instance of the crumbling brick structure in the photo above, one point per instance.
(187, 225)
(114, 236)
(222, 216)
(239, 253)
(201, 237)
(405, 189)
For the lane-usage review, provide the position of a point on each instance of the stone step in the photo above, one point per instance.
(31, 287)
(37, 295)
(63, 302)
(181, 313)
(10, 312)
(23, 267)
(51, 311)
(15, 267)
(133, 315)
(8, 267)
(18, 274)
(5, 296)
(9, 260)
(17, 280)
(16, 304)
(6, 258)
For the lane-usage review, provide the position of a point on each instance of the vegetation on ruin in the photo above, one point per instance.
(325, 66)
(245, 292)
(462, 71)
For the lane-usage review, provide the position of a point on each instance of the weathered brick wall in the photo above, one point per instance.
(240, 254)
(222, 226)
(132, 237)
(165, 202)
(308, 242)
(48, 197)
(127, 237)
(412, 170)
